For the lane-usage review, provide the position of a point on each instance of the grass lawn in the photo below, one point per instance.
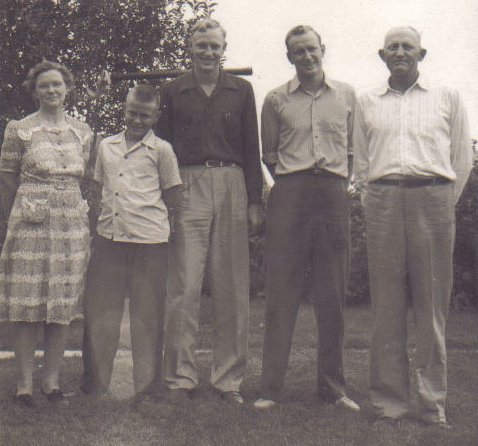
(206, 420)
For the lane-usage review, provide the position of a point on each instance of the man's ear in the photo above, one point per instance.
(423, 53)
(381, 53)
(289, 58)
(322, 47)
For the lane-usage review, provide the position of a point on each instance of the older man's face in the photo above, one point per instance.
(401, 53)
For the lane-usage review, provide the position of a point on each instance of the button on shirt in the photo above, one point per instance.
(420, 133)
(222, 126)
(133, 180)
(301, 130)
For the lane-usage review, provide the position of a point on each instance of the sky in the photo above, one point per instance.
(353, 31)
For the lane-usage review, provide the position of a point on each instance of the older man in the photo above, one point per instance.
(412, 157)
(306, 136)
(210, 118)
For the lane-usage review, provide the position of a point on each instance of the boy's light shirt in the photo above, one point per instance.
(133, 180)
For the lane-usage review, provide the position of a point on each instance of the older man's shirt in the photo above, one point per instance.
(301, 130)
(222, 126)
(133, 180)
(420, 133)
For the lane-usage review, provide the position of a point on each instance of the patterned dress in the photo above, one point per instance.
(43, 263)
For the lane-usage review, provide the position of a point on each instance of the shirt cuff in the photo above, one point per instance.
(270, 158)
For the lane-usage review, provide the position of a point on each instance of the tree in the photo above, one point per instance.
(89, 36)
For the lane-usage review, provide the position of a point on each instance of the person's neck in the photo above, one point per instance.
(313, 83)
(131, 141)
(52, 117)
(402, 83)
(207, 78)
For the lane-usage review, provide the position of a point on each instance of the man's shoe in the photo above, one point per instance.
(25, 400)
(388, 421)
(264, 404)
(346, 403)
(232, 397)
(179, 396)
(145, 400)
(439, 424)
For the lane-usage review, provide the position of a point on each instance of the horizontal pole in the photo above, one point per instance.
(161, 74)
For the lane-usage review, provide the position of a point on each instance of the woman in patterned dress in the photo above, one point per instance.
(46, 249)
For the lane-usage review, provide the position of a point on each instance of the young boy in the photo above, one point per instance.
(140, 177)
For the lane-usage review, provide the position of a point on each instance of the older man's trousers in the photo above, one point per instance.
(211, 234)
(410, 239)
(118, 270)
(308, 233)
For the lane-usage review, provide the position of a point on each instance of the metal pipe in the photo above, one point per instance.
(160, 74)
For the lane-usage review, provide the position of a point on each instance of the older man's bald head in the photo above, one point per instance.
(410, 30)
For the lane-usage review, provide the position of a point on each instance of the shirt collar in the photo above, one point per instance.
(188, 81)
(295, 84)
(421, 82)
(148, 139)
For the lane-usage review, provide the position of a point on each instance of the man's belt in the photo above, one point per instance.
(315, 171)
(214, 163)
(411, 182)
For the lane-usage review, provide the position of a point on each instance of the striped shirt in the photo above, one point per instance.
(301, 130)
(423, 132)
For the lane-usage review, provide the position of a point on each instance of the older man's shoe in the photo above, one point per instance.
(232, 397)
(264, 404)
(346, 403)
(25, 400)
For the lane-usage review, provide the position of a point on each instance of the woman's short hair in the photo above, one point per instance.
(42, 67)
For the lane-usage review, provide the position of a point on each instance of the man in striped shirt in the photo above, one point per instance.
(412, 157)
(306, 141)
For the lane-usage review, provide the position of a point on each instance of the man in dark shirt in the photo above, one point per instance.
(209, 117)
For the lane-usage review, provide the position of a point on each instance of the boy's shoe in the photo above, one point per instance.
(232, 397)
(264, 404)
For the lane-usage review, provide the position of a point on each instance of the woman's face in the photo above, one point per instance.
(50, 89)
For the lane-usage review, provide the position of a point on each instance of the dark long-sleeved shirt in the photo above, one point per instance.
(222, 126)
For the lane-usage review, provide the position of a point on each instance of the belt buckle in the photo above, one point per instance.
(210, 163)
(317, 171)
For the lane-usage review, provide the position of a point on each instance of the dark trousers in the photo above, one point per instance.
(308, 227)
(118, 270)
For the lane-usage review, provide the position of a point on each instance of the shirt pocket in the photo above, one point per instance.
(231, 124)
(188, 129)
(335, 131)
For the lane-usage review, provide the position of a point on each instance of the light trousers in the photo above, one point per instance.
(410, 239)
(118, 270)
(307, 228)
(211, 234)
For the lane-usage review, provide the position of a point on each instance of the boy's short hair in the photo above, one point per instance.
(144, 93)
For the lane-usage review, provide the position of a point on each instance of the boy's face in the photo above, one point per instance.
(139, 118)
